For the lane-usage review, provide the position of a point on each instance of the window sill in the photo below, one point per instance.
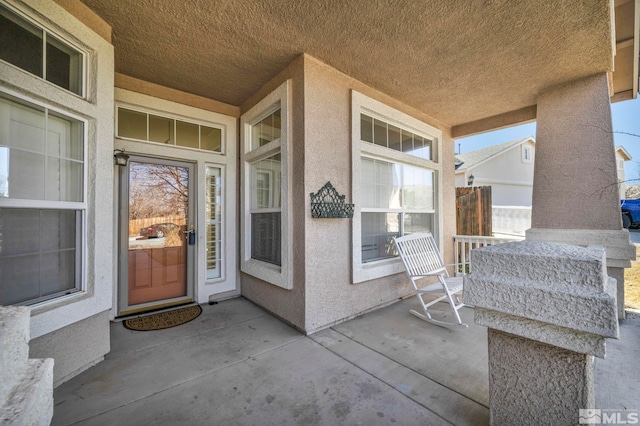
(273, 274)
(58, 302)
(383, 268)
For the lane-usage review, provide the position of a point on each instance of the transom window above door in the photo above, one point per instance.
(139, 125)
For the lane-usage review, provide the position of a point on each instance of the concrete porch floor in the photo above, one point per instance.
(237, 364)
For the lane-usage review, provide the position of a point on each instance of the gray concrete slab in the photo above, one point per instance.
(298, 383)
(213, 317)
(238, 365)
(617, 377)
(451, 405)
(140, 373)
(455, 357)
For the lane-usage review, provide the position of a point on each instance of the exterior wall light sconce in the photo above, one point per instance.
(121, 159)
(470, 180)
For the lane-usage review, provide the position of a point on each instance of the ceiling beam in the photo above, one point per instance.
(496, 122)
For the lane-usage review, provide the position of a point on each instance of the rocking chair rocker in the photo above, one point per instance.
(421, 258)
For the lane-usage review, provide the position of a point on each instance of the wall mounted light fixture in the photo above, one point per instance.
(121, 159)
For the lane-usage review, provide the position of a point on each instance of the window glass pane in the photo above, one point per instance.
(417, 189)
(427, 152)
(380, 184)
(394, 138)
(418, 222)
(64, 65)
(26, 175)
(57, 229)
(58, 271)
(407, 141)
(267, 130)
(368, 186)
(64, 180)
(20, 232)
(38, 254)
(4, 171)
(213, 218)
(265, 183)
(132, 124)
(19, 279)
(210, 139)
(421, 147)
(25, 124)
(161, 129)
(187, 134)
(378, 230)
(366, 128)
(25, 171)
(387, 185)
(65, 137)
(379, 132)
(265, 237)
(277, 124)
(20, 43)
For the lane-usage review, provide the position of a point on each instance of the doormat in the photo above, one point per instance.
(162, 320)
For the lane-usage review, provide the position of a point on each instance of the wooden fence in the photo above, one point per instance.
(473, 211)
(136, 224)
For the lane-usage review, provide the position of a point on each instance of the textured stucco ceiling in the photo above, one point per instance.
(458, 61)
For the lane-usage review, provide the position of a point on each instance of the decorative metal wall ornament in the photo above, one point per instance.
(327, 203)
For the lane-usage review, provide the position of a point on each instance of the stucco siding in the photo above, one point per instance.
(330, 295)
(289, 305)
(320, 151)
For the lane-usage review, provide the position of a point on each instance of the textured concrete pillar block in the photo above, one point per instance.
(549, 308)
(26, 385)
(556, 293)
(532, 383)
(14, 344)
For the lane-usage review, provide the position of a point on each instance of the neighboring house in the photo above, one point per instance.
(232, 113)
(621, 157)
(506, 167)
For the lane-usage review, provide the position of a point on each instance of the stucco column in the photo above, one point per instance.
(575, 191)
(549, 308)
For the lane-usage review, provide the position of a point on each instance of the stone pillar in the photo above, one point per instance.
(549, 308)
(575, 185)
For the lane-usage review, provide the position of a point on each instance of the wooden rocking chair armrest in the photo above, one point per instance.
(430, 274)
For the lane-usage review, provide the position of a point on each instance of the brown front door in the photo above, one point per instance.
(159, 256)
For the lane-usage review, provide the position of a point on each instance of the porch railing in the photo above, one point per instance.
(463, 244)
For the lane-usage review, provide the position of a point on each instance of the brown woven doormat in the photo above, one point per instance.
(162, 320)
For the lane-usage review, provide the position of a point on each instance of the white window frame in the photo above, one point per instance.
(81, 206)
(58, 38)
(363, 104)
(169, 116)
(222, 230)
(281, 275)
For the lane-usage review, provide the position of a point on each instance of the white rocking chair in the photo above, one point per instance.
(421, 258)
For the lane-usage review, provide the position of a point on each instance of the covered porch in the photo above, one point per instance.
(237, 364)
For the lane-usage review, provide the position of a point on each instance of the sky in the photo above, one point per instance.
(625, 117)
